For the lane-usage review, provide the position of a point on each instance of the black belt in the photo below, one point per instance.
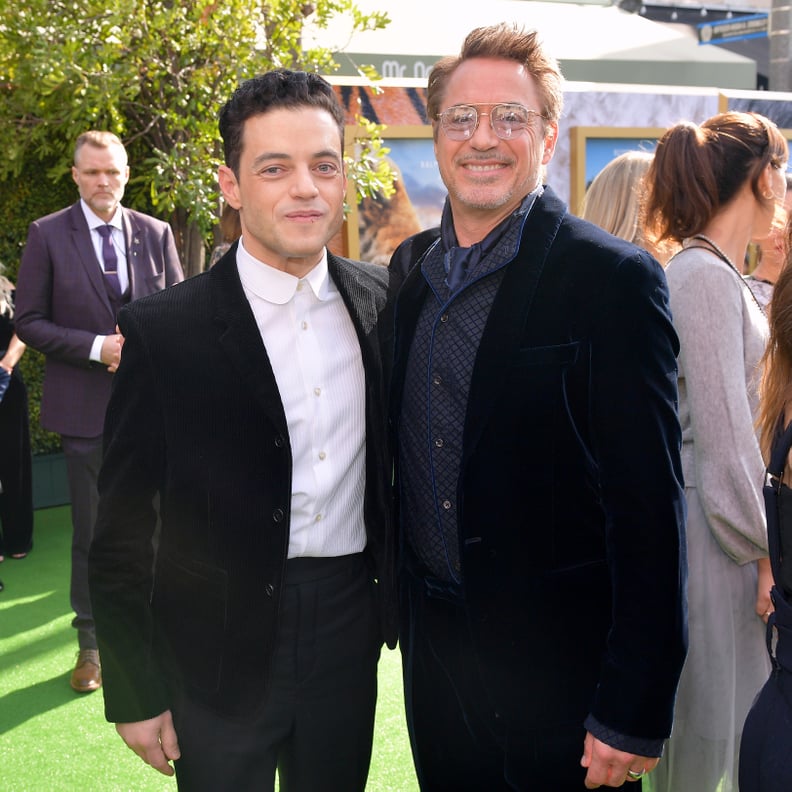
(304, 569)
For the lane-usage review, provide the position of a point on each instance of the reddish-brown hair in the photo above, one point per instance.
(699, 169)
(776, 388)
(508, 42)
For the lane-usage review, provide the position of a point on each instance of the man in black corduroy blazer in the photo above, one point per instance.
(247, 421)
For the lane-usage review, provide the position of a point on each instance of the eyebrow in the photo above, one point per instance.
(276, 155)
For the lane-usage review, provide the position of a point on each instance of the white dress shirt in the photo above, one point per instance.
(315, 354)
(119, 244)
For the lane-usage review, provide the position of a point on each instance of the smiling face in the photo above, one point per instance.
(290, 187)
(101, 173)
(487, 177)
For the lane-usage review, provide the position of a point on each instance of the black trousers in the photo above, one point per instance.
(460, 740)
(16, 498)
(316, 724)
(766, 743)
(83, 460)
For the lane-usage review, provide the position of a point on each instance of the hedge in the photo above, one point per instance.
(22, 200)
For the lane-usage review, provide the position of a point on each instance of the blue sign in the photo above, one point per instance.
(747, 27)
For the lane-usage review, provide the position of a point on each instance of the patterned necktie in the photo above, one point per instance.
(110, 258)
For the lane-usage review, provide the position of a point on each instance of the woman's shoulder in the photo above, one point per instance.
(699, 269)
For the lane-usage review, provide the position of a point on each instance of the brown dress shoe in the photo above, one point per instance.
(87, 674)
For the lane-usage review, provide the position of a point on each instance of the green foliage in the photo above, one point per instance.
(32, 368)
(22, 200)
(367, 166)
(154, 72)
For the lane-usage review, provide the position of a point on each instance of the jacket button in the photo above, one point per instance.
(278, 515)
(278, 442)
(269, 589)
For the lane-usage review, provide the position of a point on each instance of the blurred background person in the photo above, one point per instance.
(614, 199)
(713, 188)
(767, 737)
(769, 252)
(79, 266)
(230, 231)
(16, 487)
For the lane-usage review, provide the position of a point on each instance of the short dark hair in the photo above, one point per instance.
(280, 88)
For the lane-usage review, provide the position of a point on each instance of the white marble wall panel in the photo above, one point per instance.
(598, 105)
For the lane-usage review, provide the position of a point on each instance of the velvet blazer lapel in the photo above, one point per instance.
(239, 337)
(363, 306)
(513, 311)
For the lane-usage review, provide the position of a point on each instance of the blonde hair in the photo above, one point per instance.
(6, 303)
(98, 138)
(613, 199)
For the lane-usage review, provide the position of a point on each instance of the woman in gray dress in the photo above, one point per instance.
(713, 188)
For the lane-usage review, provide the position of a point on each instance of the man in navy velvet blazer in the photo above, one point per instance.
(538, 447)
(66, 306)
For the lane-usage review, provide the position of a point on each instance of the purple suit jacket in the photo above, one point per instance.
(62, 305)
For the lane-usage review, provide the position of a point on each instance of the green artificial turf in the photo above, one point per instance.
(55, 740)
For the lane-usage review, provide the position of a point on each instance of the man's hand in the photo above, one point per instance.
(111, 350)
(153, 740)
(608, 767)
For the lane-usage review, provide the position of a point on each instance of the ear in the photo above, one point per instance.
(767, 179)
(229, 186)
(550, 140)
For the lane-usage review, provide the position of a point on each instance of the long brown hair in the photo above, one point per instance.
(697, 170)
(776, 387)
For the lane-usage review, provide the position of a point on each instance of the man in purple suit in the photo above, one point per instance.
(79, 267)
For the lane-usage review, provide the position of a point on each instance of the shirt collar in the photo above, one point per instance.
(276, 286)
(94, 221)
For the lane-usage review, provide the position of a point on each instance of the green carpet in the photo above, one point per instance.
(55, 740)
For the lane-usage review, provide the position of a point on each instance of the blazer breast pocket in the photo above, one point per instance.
(529, 359)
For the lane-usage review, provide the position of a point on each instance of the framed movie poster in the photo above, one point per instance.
(376, 226)
(592, 148)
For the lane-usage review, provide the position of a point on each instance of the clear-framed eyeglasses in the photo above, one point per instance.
(508, 120)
